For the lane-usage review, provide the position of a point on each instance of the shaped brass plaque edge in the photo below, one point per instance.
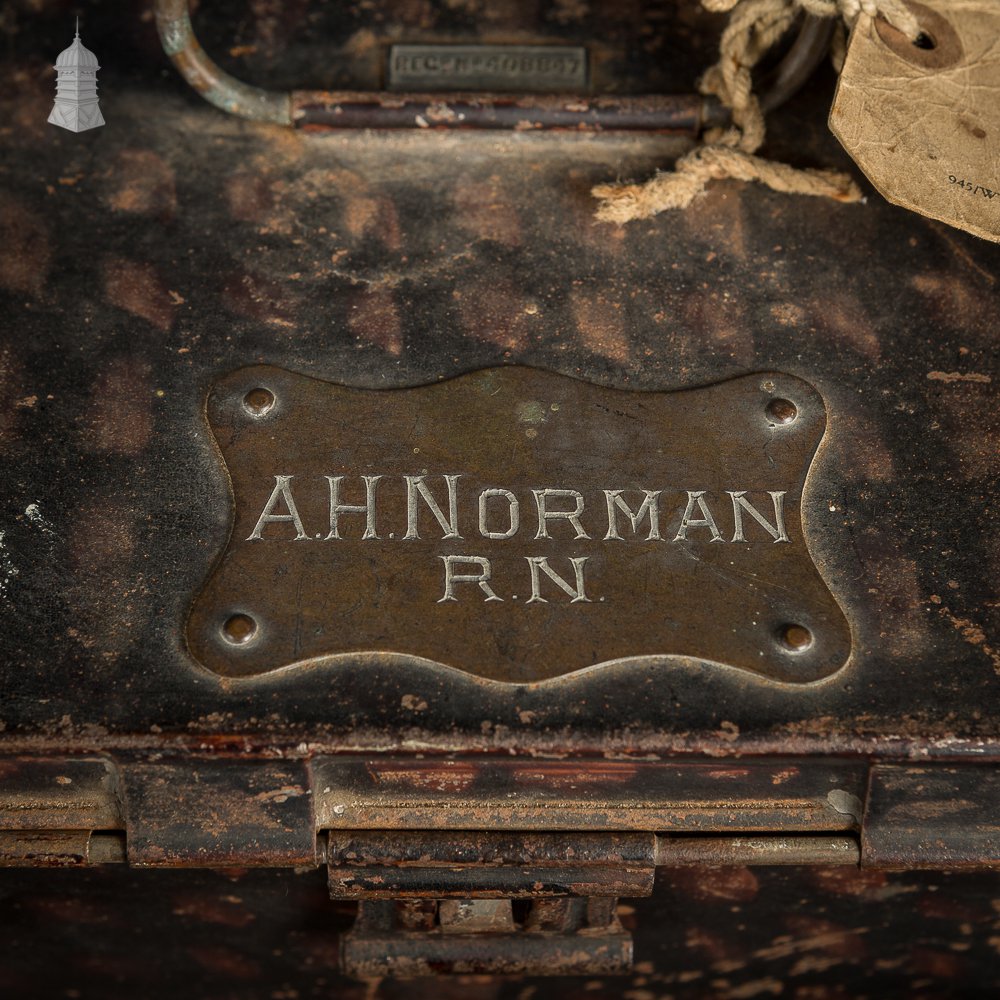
(837, 644)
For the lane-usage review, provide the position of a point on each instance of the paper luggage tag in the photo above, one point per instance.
(922, 120)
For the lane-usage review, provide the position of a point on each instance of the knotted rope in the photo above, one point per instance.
(754, 27)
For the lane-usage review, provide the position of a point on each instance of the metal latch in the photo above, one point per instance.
(486, 902)
(530, 903)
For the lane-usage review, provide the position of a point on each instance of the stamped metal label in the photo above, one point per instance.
(518, 525)
(554, 68)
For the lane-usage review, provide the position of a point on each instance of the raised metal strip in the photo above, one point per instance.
(219, 812)
(489, 864)
(59, 793)
(475, 794)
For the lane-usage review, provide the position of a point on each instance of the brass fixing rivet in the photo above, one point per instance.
(782, 411)
(795, 638)
(258, 401)
(239, 629)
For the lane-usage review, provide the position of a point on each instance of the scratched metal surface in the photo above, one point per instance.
(141, 262)
(825, 933)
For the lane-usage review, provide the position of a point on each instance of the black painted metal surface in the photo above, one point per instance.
(142, 262)
(145, 260)
(727, 933)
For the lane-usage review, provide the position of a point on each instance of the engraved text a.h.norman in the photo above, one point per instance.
(481, 517)
(518, 525)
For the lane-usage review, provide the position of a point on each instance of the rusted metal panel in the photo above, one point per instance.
(218, 812)
(932, 817)
(440, 254)
(484, 794)
(481, 865)
(59, 793)
(684, 114)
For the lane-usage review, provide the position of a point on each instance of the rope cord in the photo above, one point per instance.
(754, 27)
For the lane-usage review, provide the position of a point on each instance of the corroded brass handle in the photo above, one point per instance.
(320, 110)
(173, 21)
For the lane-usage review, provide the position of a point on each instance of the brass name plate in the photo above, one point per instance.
(517, 525)
(546, 68)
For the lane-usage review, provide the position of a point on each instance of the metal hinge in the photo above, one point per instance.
(415, 840)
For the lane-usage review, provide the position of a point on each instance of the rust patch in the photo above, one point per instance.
(120, 419)
(710, 943)
(850, 882)
(27, 86)
(718, 311)
(959, 377)
(845, 319)
(601, 324)
(374, 318)
(486, 211)
(137, 288)
(733, 885)
(953, 301)
(249, 196)
(718, 220)
(25, 248)
(258, 298)
(364, 215)
(496, 312)
(974, 635)
(789, 314)
(143, 184)
(814, 934)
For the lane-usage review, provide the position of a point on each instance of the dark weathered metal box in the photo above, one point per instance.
(819, 810)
